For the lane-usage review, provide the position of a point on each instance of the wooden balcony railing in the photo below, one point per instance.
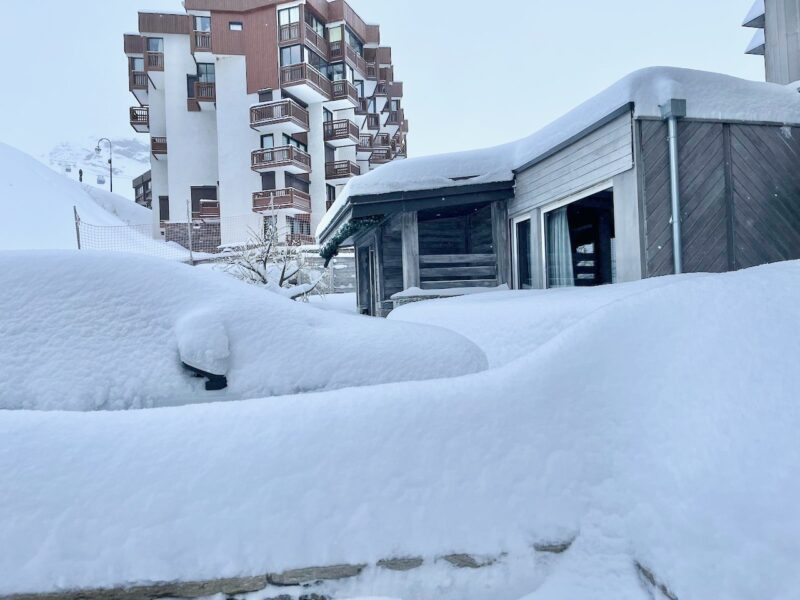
(365, 142)
(362, 108)
(381, 89)
(372, 71)
(140, 115)
(289, 33)
(158, 145)
(395, 89)
(381, 156)
(138, 80)
(154, 61)
(316, 40)
(201, 41)
(282, 111)
(341, 90)
(283, 156)
(336, 50)
(382, 140)
(209, 209)
(205, 92)
(134, 44)
(356, 61)
(289, 198)
(341, 168)
(373, 121)
(342, 129)
(395, 117)
(306, 74)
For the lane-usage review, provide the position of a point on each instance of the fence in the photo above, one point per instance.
(210, 240)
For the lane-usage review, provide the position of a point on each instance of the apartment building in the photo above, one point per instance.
(777, 38)
(260, 109)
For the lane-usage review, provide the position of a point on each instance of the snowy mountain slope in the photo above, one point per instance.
(658, 427)
(37, 205)
(92, 331)
(131, 159)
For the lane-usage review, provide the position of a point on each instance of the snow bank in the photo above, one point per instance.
(91, 331)
(37, 205)
(659, 426)
(709, 96)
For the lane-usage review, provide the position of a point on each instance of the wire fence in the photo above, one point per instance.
(212, 240)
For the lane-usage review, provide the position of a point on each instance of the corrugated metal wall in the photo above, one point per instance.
(740, 196)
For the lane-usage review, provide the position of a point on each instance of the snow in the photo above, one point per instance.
(415, 292)
(652, 422)
(91, 331)
(758, 40)
(346, 303)
(38, 205)
(757, 10)
(709, 96)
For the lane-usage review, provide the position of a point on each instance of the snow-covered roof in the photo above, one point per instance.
(757, 44)
(709, 95)
(756, 16)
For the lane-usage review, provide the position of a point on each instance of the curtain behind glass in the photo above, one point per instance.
(560, 272)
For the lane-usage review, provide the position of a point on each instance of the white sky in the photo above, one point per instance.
(474, 76)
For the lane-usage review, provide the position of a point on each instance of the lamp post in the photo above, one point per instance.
(110, 160)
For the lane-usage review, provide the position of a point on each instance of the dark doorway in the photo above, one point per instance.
(579, 241)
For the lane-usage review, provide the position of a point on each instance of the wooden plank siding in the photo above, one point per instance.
(740, 196)
(166, 23)
(589, 161)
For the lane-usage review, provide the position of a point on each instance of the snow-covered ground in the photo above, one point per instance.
(94, 331)
(653, 422)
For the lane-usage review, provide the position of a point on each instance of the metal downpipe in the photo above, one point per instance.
(671, 112)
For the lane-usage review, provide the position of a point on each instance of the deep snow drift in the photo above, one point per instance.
(657, 424)
(37, 205)
(91, 331)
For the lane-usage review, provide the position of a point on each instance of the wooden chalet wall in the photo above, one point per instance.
(740, 195)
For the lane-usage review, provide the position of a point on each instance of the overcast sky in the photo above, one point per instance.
(473, 76)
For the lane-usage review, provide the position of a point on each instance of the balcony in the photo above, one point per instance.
(395, 89)
(306, 83)
(202, 46)
(394, 120)
(209, 210)
(317, 41)
(290, 34)
(382, 140)
(138, 85)
(364, 147)
(344, 96)
(140, 118)
(134, 45)
(381, 156)
(154, 61)
(283, 116)
(341, 133)
(355, 60)
(291, 200)
(373, 122)
(206, 95)
(341, 170)
(286, 158)
(372, 71)
(158, 146)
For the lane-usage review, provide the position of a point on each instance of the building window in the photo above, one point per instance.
(206, 73)
(267, 141)
(327, 116)
(155, 44)
(191, 80)
(292, 55)
(360, 87)
(298, 226)
(265, 96)
(524, 271)
(336, 72)
(137, 64)
(202, 24)
(163, 208)
(353, 41)
(290, 141)
(315, 24)
(330, 196)
(316, 61)
(288, 16)
(335, 34)
(395, 105)
(236, 26)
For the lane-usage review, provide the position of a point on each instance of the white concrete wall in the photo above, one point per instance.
(191, 136)
(236, 140)
(316, 148)
(783, 41)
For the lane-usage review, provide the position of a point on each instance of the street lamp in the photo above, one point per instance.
(110, 160)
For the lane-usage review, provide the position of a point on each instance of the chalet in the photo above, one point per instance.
(668, 171)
